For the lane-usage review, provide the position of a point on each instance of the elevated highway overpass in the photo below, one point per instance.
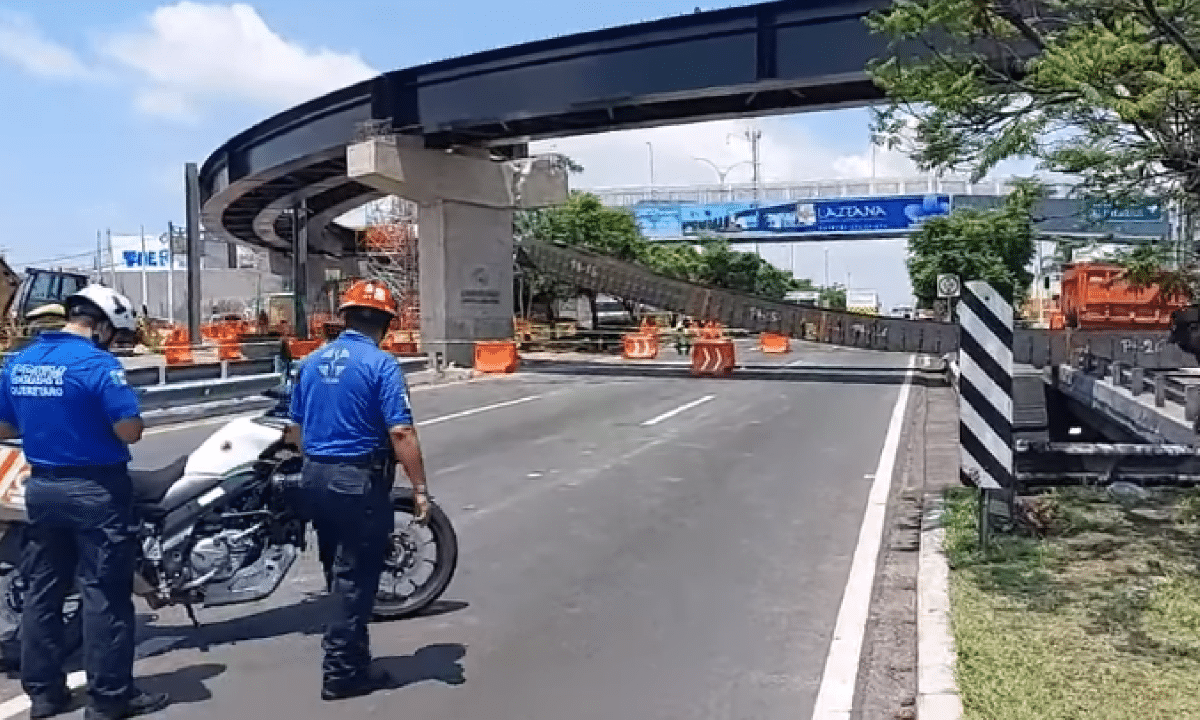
(280, 184)
(774, 57)
(452, 135)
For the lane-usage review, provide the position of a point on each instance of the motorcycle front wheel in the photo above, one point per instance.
(12, 603)
(421, 561)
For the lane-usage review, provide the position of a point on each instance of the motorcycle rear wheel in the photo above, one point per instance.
(12, 602)
(389, 605)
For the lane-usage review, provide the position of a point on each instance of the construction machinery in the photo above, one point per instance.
(33, 303)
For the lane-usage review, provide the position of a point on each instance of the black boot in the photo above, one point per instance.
(143, 703)
(357, 686)
(50, 704)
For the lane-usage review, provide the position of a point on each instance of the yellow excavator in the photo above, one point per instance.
(32, 303)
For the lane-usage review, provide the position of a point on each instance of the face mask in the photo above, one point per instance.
(99, 342)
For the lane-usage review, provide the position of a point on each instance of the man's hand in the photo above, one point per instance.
(420, 505)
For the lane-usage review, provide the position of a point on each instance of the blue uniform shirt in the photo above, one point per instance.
(347, 396)
(64, 394)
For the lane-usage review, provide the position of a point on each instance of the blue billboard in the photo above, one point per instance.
(804, 217)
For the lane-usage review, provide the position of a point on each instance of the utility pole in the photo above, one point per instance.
(753, 136)
(650, 145)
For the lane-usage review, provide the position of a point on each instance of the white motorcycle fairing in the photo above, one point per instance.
(233, 449)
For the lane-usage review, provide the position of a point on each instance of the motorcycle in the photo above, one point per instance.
(216, 529)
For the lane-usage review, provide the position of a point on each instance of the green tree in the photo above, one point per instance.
(586, 223)
(1101, 89)
(833, 298)
(992, 245)
(1152, 265)
(718, 265)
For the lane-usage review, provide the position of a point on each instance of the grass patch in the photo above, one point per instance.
(1100, 619)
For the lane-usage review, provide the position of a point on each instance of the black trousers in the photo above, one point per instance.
(349, 505)
(81, 526)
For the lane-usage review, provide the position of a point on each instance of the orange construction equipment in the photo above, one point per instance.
(640, 346)
(1095, 297)
(228, 343)
(711, 331)
(177, 349)
(496, 356)
(298, 349)
(713, 357)
(773, 344)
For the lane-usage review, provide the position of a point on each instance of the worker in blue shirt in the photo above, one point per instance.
(351, 414)
(66, 397)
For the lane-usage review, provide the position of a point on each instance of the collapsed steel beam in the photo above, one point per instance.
(1039, 348)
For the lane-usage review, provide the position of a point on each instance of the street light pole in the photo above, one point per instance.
(650, 145)
(753, 136)
(721, 174)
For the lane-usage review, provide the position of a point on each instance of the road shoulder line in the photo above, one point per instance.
(835, 698)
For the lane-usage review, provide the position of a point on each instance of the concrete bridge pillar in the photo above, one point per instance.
(465, 227)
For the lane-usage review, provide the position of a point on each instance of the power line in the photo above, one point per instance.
(44, 261)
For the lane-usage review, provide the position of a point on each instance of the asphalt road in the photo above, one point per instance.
(616, 562)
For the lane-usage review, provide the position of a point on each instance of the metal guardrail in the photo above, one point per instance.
(238, 381)
(195, 392)
(1180, 389)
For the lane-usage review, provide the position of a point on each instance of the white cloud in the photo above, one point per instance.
(189, 54)
(23, 44)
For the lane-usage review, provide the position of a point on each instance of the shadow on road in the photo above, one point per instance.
(824, 374)
(306, 617)
(441, 662)
(185, 685)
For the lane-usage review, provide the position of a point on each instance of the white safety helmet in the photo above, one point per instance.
(115, 306)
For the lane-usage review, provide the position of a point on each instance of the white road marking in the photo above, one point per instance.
(475, 411)
(19, 704)
(672, 413)
(226, 418)
(835, 699)
(222, 419)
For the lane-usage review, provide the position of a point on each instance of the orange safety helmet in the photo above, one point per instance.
(369, 294)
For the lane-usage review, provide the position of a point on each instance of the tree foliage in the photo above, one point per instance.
(833, 298)
(586, 223)
(1102, 89)
(992, 245)
(718, 265)
(1152, 265)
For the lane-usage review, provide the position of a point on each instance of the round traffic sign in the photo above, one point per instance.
(947, 285)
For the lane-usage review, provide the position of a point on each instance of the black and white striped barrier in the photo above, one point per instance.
(985, 390)
(985, 385)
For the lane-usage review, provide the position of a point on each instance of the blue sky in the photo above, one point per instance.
(105, 101)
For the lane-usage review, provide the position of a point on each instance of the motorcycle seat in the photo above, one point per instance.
(150, 486)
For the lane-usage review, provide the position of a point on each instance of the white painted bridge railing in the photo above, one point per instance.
(802, 189)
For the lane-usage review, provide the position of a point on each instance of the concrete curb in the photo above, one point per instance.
(937, 690)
